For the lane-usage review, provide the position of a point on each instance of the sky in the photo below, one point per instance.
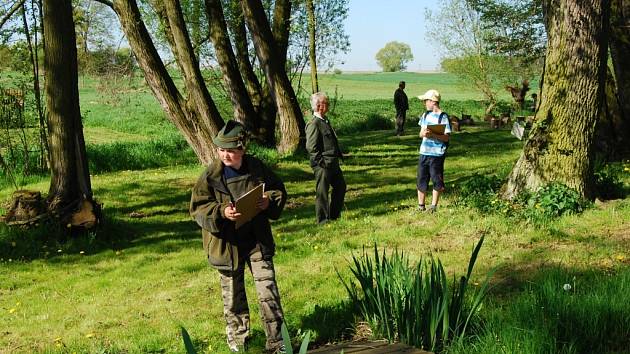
(373, 23)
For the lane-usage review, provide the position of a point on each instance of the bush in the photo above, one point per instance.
(415, 305)
(556, 199)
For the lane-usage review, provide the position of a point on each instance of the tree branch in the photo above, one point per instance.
(10, 13)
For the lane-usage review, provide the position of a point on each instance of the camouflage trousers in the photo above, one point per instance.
(236, 309)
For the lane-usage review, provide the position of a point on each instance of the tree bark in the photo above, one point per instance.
(310, 10)
(197, 127)
(620, 53)
(265, 107)
(560, 143)
(70, 178)
(243, 107)
(608, 138)
(291, 119)
(281, 28)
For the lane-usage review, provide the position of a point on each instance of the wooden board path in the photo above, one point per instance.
(376, 347)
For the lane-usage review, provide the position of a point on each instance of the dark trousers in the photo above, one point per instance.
(324, 179)
(401, 116)
(433, 167)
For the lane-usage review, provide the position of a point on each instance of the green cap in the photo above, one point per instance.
(231, 136)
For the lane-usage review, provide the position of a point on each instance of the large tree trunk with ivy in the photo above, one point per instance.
(620, 53)
(70, 186)
(196, 117)
(561, 140)
(290, 116)
(243, 107)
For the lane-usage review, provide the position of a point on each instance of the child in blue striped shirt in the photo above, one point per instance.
(432, 150)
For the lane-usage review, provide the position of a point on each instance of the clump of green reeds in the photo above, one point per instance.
(417, 305)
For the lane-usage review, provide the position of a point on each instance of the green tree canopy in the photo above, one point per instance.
(394, 56)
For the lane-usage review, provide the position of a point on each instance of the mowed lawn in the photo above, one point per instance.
(149, 278)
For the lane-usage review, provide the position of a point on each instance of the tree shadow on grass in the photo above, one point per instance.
(155, 217)
(331, 323)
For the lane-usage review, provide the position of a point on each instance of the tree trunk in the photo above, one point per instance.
(195, 26)
(620, 53)
(198, 129)
(265, 108)
(281, 28)
(608, 137)
(291, 119)
(243, 107)
(560, 143)
(310, 10)
(70, 178)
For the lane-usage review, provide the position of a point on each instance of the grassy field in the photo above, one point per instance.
(129, 287)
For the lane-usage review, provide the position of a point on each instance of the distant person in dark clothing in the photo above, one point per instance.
(402, 105)
(324, 154)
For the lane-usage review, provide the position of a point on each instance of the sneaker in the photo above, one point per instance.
(433, 209)
(421, 207)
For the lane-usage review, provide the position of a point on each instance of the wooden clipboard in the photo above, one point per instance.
(246, 205)
(437, 128)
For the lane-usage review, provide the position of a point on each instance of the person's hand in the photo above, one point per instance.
(426, 133)
(263, 203)
(231, 213)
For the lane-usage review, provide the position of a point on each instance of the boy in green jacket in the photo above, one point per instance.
(228, 249)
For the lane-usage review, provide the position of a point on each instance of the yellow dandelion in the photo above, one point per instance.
(12, 310)
(82, 252)
(620, 257)
(315, 247)
(18, 303)
(58, 339)
(89, 335)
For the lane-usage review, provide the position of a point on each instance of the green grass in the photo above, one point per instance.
(142, 279)
(560, 311)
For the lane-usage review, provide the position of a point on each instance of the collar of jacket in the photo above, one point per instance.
(215, 176)
(215, 173)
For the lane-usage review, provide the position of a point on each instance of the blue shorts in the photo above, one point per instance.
(430, 166)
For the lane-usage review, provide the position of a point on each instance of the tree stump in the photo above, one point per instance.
(26, 207)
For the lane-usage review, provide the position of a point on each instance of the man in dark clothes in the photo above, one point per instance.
(324, 152)
(402, 105)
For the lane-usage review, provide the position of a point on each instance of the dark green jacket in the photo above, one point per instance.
(212, 194)
(322, 144)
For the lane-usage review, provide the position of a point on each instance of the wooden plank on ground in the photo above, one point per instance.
(374, 347)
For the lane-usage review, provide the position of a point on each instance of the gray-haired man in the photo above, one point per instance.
(324, 151)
